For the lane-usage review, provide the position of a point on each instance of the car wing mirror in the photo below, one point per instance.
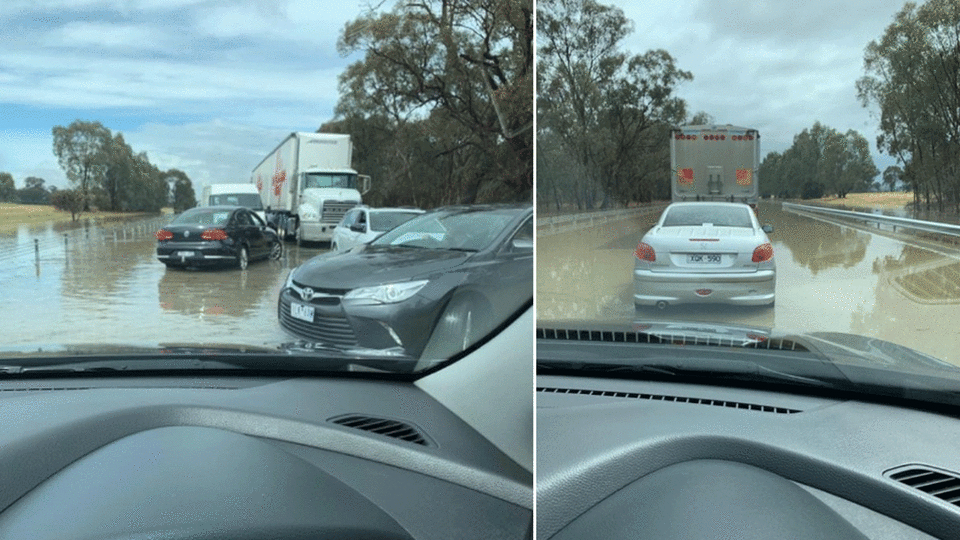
(358, 227)
(522, 244)
(767, 229)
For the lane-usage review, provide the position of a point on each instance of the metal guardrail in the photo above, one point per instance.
(946, 229)
(570, 222)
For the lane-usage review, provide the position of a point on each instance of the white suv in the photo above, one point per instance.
(362, 224)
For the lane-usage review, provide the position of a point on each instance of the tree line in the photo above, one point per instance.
(913, 77)
(603, 115)
(32, 192)
(440, 107)
(820, 161)
(106, 174)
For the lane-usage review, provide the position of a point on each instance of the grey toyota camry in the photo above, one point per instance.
(433, 286)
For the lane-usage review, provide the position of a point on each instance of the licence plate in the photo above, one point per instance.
(185, 254)
(703, 258)
(302, 312)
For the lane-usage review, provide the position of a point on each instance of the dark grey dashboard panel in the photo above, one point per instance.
(429, 508)
(178, 482)
(710, 500)
(47, 427)
(591, 446)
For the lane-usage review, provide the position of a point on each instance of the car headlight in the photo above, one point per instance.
(289, 282)
(385, 294)
(309, 215)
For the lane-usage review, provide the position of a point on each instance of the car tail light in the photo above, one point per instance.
(214, 234)
(164, 234)
(763, 253)
(645, 252)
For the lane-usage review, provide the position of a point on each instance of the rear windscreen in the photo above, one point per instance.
(721, 216)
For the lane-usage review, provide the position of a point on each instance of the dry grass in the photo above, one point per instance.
(869, 200)
(13, 215)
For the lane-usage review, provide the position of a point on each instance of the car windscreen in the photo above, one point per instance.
(696, 215)
(469, 231)
(384, 221)
(202, 217)
(249, 200)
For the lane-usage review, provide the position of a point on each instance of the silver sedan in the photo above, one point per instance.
(705, 252)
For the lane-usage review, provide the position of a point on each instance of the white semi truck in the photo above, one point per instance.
(307, 184)
(715, 163)
(233, 194)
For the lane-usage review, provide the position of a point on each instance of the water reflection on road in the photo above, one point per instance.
(105, 285)
(829, 278)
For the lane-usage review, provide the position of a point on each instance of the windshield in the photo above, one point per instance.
(668, 119)
(326, 180)
(384, 221)
(449, 229)
(249, 200)
(117, 120)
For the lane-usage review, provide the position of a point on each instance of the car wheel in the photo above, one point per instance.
(276, 250)
(243, 258)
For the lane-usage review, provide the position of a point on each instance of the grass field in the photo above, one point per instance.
(894, 199)
(13, 215)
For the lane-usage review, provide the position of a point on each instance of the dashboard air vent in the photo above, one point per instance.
(943, 485)
(674, 399)
(383, 426)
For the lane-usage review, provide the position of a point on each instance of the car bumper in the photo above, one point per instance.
(404, 326)
(185, 254)
(313, 231)
(741, 288)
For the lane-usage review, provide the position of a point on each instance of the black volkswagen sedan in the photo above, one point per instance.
(427, 289)
(217, 235)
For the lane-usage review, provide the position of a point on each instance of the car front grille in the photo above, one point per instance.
(332, 330)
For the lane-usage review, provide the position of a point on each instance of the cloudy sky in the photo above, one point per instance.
(778, 66)
(211, 86)
(206, 86)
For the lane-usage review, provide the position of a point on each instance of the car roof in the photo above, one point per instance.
(218, 208)
(394, 209)
(518, 207)
(710, 203)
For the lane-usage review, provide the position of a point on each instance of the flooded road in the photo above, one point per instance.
(829, 278)
(104, 285)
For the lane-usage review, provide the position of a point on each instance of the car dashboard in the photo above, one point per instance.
(249, 457)
(644, 458)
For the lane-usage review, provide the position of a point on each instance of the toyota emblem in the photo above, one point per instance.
(307, 294)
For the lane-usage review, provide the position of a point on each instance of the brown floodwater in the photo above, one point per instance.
(829, 278)
(104, 285)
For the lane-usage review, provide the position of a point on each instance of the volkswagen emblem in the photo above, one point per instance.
(186, 234)
(307, 294)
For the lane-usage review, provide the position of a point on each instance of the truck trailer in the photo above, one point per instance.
(715, 163)
(307, 184)
(233, 194)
